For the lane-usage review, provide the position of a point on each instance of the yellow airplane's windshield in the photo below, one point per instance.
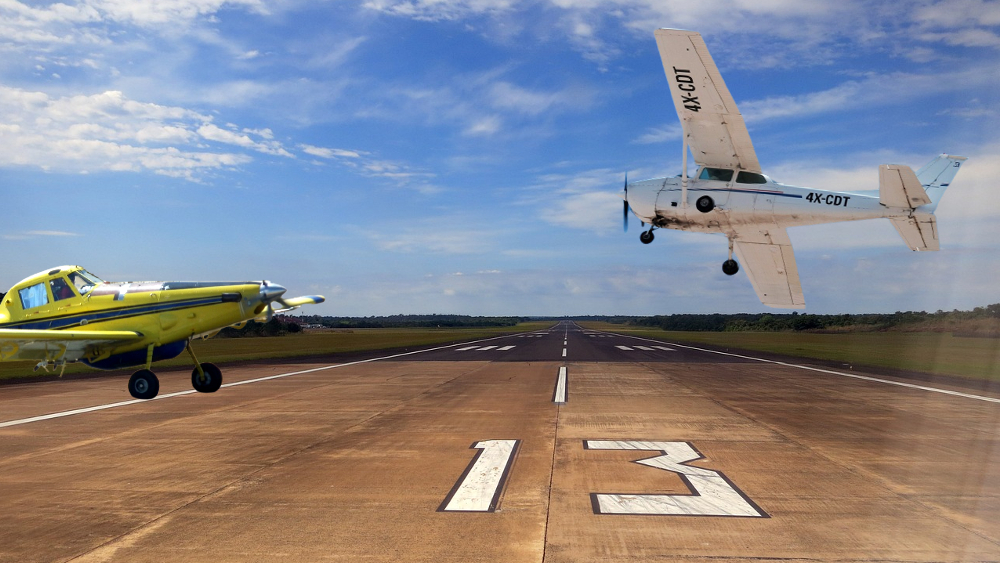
(84, 281)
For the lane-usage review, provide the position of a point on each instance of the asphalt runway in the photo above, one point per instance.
(562, 445)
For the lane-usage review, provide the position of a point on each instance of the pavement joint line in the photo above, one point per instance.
(85, 410)
(828, 371)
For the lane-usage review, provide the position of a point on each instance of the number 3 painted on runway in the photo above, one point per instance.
(712, 493)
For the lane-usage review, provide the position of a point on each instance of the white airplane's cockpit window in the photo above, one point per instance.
(750, 178)
(33, 296)
(718, 174)
(60, 289)
(84, 281)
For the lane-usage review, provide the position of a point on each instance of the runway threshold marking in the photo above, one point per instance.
(479, 487)
(829, 371)
(560, 395)
(84, 410)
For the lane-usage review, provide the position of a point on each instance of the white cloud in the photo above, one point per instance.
(662, 134)
(110, 132)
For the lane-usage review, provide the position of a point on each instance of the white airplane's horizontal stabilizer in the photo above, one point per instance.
(898, 186)
(919, 232)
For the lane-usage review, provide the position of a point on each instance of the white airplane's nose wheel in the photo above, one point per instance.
(730, 267)
(143, 384)
(646, 236)
(208, 380)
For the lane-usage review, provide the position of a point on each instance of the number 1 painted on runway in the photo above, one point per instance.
(479, 488)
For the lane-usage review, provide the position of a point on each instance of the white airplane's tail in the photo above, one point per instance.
(936, 176)
(899, 186)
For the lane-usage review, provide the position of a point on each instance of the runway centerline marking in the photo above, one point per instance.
(560, 394)
(84, 410)
(626, 348)
(484, 348)
(827, 371)
(504, 348)
(564, 353)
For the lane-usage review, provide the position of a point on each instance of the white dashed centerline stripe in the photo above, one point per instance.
(626, 348)
(487, 348)
(84, 410)
(564, 353)
(504, 348)
(664, 348)
(646, 348)
(560, 395)
(466, 348)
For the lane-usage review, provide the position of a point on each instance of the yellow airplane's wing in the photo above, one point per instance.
(712, 124)
(55, 344)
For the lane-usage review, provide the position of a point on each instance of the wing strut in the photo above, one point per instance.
(684, 169)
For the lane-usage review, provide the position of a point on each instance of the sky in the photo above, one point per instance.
(467, 156)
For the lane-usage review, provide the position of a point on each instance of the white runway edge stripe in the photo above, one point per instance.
(831, 372)
(233, 384)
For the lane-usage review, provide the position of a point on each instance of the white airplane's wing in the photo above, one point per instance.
(55, 344)
(712, 124)
(765, 253)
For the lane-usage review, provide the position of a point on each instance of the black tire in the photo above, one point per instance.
(704, 204)
(143, 384)
(646, 237)
(730, 267)
(212, 381)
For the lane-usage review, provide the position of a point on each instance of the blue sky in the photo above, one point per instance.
(466, 156)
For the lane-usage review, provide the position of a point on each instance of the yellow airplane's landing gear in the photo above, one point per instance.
(143, 384)
(206, 377)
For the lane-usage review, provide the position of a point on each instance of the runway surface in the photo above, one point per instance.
(491, 451)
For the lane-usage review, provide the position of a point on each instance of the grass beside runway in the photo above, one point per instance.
(930, 352)
(221, 350)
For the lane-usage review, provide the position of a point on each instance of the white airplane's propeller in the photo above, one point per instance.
(625, 210)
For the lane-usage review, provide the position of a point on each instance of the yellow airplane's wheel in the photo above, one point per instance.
(211, 381)
(143, 384)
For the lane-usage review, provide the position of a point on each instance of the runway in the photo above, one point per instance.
(491, 451)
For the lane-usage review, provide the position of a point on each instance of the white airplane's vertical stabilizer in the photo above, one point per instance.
(936, 176)
(900, 187)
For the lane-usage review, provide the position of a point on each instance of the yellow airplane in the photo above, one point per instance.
(67, 314)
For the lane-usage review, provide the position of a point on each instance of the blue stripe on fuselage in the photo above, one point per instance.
(97, 316)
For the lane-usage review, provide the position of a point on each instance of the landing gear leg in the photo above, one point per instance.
(646, 236)
(143, 384)
(730, 267)
(206, 377)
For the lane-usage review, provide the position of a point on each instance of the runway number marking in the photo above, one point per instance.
(479, 488)
(712, 493)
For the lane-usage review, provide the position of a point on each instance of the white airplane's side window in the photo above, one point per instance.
(750, 178)
(718, 174)
(33, 296)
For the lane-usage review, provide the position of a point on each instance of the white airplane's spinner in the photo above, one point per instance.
(730, 195)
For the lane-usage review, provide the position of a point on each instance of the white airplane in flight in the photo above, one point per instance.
(730, 195)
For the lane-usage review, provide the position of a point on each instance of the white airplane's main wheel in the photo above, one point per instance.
(212, 380)
(730, 267)
(143, 384)
(646, 237)
(704, 204)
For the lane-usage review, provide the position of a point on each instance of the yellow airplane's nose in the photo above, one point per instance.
(271, 291)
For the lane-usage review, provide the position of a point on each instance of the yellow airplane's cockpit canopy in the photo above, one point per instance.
(64, 282)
